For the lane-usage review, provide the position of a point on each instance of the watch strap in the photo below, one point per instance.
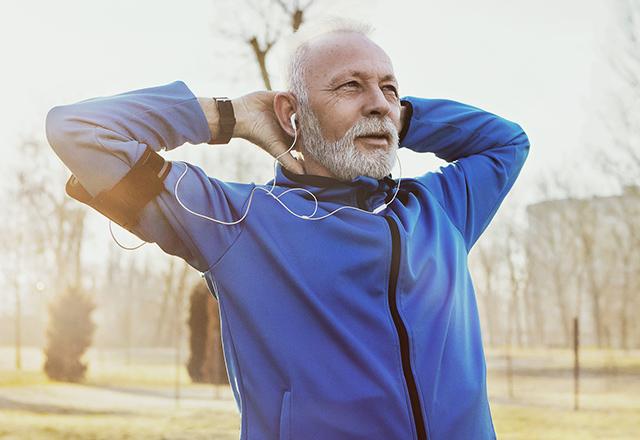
(226, 121)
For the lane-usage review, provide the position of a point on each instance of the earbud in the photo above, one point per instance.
(292, 119)
(269, 192)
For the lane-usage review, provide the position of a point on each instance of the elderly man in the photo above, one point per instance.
(352, 318)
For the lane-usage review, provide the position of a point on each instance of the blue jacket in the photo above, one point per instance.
(357, 326)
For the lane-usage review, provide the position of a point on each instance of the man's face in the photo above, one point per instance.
(351, 122)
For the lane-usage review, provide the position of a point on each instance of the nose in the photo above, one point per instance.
(376, 103)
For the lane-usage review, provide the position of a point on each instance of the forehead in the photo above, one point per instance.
(343, 54)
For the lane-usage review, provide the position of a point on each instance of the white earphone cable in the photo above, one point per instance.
(270, 193)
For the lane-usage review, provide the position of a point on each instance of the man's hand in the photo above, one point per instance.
(403, 118)
(256, 122)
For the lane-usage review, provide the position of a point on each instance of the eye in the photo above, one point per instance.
(390, 88)
(350, 85)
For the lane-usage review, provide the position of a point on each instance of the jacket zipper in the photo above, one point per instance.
(403, 336)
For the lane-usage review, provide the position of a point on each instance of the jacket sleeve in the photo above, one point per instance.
(100, 139)
(486, 153)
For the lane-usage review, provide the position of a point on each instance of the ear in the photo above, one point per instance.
(285, 104)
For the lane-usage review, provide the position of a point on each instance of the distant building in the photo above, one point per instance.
(583, 258)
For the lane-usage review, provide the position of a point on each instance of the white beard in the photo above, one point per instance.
(342, 158)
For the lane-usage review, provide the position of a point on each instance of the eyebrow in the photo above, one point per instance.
(356, 73)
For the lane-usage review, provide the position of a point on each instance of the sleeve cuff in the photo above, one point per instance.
(407, 122)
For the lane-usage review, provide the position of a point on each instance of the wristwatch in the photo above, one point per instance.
(226, 121)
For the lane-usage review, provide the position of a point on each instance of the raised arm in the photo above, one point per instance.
(487, 153)
(100, 140)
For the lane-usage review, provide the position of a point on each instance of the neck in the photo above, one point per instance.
(315, 168)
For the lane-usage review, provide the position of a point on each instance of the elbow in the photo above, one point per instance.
(520, 140)
(65, 131)
(521, 146)
(515, 144)
(523, 143)
(56, 128)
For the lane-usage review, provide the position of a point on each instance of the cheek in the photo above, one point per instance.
(335, 125)
(396, 117)
(344, 127)
(336, 116)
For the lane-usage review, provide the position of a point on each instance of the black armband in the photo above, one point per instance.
(124, 202)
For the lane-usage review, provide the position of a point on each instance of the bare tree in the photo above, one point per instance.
(582, 251)
(515, 249)
(621, 116)
(622, 160)
(551, 259)
(487, 256)
(175, 279)
(42, 229)
(261, 26)
(626, 242)
(56, 225)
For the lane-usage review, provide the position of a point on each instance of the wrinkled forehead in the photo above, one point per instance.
(341, 54)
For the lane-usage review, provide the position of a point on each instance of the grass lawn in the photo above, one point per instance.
(530, 423)
(176, 424)
(540, 404)
(136, 399)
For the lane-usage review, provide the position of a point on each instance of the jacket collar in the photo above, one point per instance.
(355, 192)
(363, 190)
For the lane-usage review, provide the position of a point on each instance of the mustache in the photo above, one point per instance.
(373, 126)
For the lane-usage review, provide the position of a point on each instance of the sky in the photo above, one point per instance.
(538, 63)
(532, 62)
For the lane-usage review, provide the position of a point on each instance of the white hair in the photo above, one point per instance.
(300, 52)
(340, 157)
